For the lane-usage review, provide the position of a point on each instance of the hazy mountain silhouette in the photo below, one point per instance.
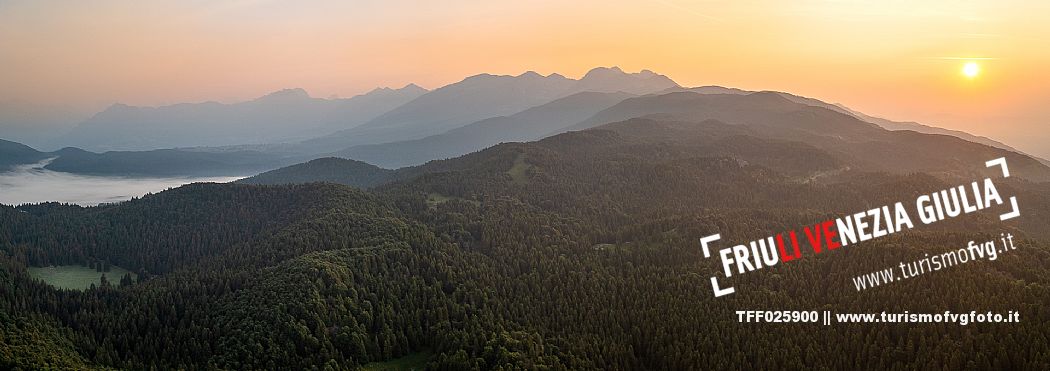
(14, 154)
(153, 163)
(381, 116)
(802, 141)
(36, 124)
(709, 89)
(481, 97)
(613, 79)
(915, 126)
(285, 115)
(775, 116)
(502, 109)
(887, 124)
(530, 124)
(328, 169)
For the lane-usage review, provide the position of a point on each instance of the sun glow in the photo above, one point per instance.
(971, 69)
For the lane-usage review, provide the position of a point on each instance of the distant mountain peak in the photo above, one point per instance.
(413, 87)
(117, 108)
(290, 93)
(769, 94)
(480, 76)
(602, 71)
(380, 91)
(612, 79)
(527, 75)
(410, 88)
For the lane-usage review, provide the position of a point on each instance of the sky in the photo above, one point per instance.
(900, 60)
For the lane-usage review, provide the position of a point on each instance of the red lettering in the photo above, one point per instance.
(783, 253)
(794, 241)
(813, 234)
(829, 233)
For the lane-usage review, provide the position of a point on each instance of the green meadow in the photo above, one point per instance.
(76, 277)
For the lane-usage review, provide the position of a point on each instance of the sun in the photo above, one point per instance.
(971, 69)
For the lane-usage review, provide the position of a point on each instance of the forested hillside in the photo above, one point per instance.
(328, 169)
(579, 251)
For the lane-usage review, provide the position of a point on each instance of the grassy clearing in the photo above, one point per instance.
(519, 171)
(414, 361)
(437, 198)
(75, 277)
(434, 199)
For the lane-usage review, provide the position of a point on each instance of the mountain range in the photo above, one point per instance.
(395, 128)
(482, 97)
(742, 125)
(530, 124)
(286, 115)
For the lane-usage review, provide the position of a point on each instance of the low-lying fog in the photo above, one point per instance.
(34, 184)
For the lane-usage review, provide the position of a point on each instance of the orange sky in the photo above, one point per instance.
(896, 59)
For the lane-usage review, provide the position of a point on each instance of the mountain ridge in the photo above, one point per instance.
(261, 120)
(480, 97)
(526, 125)
(152, 163)
(838, 140)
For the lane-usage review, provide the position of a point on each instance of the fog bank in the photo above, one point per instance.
(34, 184)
